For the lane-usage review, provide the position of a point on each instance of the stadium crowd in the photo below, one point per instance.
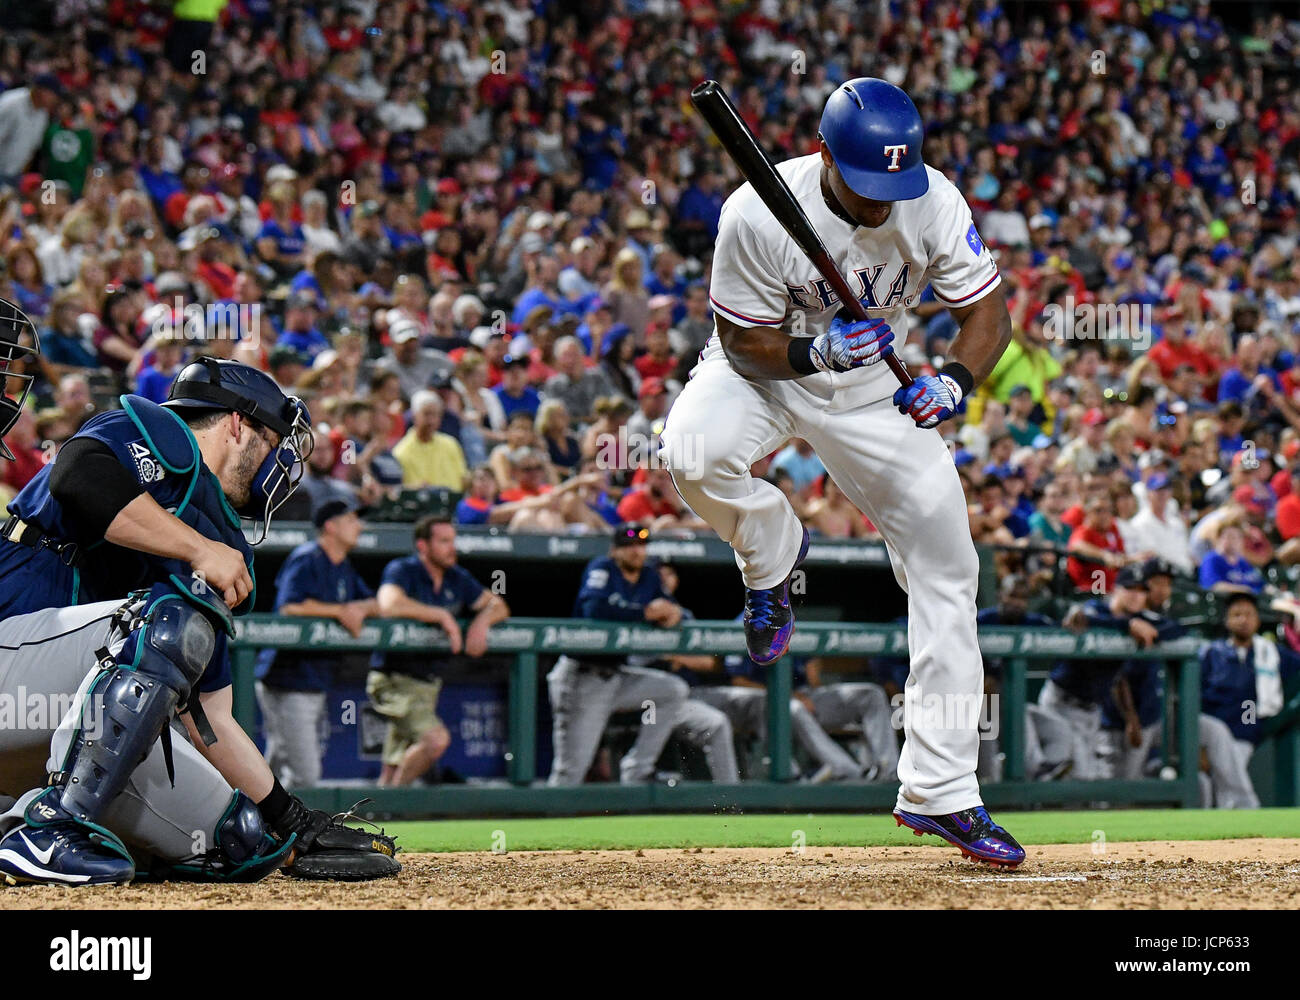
(476, 238)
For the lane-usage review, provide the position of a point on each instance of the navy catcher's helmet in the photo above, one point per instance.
(874, 133)
(19, 345)
(211, 384)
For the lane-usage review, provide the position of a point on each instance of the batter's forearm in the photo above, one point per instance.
(985, 333)
(757, 351)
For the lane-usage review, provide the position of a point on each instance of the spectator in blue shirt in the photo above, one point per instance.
(516, 395)
(1243, 381)
(1226, 568)
(801, 462)
(427, 586)
(1244, 679)
(154, 380)
(316, 581)
(64, 345)
(299, 333)
(585, 692)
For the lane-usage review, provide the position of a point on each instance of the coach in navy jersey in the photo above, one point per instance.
(585, 693)
(317, 580)
(428, 587)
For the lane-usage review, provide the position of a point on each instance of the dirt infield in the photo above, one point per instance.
(1213, 874)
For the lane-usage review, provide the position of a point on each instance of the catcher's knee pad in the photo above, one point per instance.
(132, 701)
(173, 642)
(244, 850)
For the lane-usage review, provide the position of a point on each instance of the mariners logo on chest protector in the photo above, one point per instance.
(146, 466)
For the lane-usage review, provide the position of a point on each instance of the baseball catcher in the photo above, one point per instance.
(122, 566)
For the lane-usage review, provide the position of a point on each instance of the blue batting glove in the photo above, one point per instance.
(929, 400)
(850, 343)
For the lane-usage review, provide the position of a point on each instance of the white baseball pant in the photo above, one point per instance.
(902, 478)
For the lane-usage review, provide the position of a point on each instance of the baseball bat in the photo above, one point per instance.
(713, 104)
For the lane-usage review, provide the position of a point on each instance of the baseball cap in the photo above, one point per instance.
(1246, 496)
(659, 301)
(1155, 566)
(652, 386)
(50, 82)
(539, 220)
(402, 331)
(335, 508)
(962, 457)
(515, 361)
(301, 300)
(1093, 417)
(629, 533)
(638, 218)
(1020, 390)
(531, 243)
(1158, 482)
(581, 243)
(1131, 576)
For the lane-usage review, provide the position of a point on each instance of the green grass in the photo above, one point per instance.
(828, 830)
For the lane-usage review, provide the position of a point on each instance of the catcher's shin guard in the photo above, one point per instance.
(244, 851)
(132, 701)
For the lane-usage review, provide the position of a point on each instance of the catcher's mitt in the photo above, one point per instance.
(327, 848)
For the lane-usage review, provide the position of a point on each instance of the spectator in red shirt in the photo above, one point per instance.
(659, 361)
(655, 502)
(25, 444)
(1174, 349)
(529, 468)
(1097, 550)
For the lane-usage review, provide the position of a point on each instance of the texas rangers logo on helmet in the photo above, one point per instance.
(895, 153)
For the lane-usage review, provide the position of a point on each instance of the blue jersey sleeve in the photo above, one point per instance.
(300, 580)
(398, 573)
(466, 588)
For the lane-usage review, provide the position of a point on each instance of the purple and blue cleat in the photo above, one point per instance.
(971, 831)
(769, 620)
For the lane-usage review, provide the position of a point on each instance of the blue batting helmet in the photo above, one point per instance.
(874, 133)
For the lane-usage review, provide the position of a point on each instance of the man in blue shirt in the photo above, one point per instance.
(1048, 743)
(427, 587)
(1244, 679)
(1132, 713)
(585, 693)
(299, 332)
(317, 580)
(1076, 689)
(516, 395)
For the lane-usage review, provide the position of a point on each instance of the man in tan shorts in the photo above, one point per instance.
(427, 587)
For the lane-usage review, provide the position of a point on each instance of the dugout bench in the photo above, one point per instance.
(528, 640)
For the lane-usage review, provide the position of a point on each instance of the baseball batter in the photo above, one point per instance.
(781, 364)
(121, 564)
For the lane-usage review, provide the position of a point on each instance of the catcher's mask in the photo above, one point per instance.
(211, 384)
(19, 345)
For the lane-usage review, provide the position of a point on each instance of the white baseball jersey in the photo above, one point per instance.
(900, 476)
(762, 278)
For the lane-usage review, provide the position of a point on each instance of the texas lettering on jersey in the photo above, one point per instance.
(762, 278)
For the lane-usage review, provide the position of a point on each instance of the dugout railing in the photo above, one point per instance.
(528, 640)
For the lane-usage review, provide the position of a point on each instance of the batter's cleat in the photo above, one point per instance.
(769, 621)
(61, 854)
(971, 831)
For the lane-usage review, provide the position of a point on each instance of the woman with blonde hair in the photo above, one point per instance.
(626, 294)
(554, 428)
